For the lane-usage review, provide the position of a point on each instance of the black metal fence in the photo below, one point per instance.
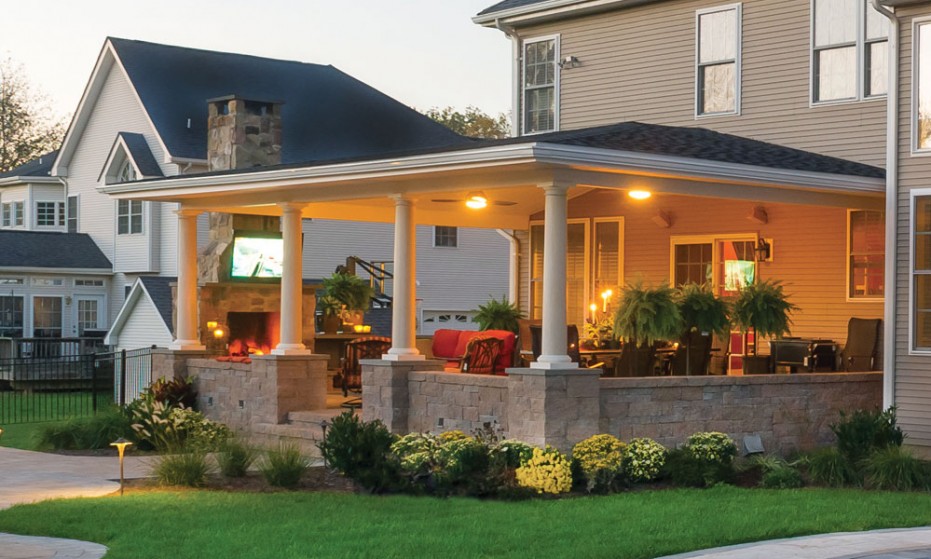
(51, 388)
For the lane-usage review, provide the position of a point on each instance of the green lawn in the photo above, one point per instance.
(20, 435)
(206, 524)
(22, 415)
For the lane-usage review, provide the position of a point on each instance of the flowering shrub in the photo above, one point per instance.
(599, 459)
(712, 447)
(453, 435)
(511, 454)
(416, 453)
(644, 459)
(547, 471)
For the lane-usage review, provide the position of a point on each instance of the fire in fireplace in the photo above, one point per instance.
(253, 333)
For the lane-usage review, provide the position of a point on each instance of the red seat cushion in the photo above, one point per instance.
(445, 343)
(506, 357)
(464, 337)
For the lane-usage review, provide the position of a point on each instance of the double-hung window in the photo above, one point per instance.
(19, 218)
(921, 104)
(718, 60)
(50, 214)
(540, 85)
(850, 46)
(920, 288)
(72, 214)
(7, 212)
(129, 217)
(866, 237)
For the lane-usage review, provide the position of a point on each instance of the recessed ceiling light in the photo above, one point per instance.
(639, 194)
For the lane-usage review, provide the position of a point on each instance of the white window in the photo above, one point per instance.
(724, 262)
(18, 214)
(718, 60)
(920, 292)
(921, 103)
(88, 315)
(88, 283)
(849, 50)
(866, 237)
(72, 214)
(11, 281)
(540, 85)
(126, 173)
(50, 214)
(445, 236)
(11, 316)
(48, 282)
(7, 211)
(129, 217)
(46, 317)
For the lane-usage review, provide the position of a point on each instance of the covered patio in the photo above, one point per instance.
(565, 195)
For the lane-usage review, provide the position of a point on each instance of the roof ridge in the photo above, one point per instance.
(218, 52)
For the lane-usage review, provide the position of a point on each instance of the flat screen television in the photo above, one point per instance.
(257, 256)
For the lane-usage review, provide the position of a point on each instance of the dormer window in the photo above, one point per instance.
(126, 173)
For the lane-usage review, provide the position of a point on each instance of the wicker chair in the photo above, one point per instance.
(862, 345)
(362, 348)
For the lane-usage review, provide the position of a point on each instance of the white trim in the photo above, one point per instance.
(859, 45)
(523, 79)
(445, 246)
(64, 271)
(553, 8)
(135, 293)
(915, 193)
(26, 180)
(511, 154)
(738, 57)
(916, 77)
(872, 299)
(704, 239)
(117, 149)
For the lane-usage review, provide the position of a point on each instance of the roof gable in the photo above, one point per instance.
(153, 290)
(132, 146)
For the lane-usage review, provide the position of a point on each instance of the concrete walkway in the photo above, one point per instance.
(908, 543)
(27, 477)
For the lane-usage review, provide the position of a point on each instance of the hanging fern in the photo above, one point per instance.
(352, 291)
(764, 307)
(647, 314)
(702, 311)
(498, 315)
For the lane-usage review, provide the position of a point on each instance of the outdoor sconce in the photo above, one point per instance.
(211, 324)
(121, 445)
(763, 251)
(605, 297)
(759, 216)
(662, 220)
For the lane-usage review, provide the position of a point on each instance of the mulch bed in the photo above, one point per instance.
(316, 479)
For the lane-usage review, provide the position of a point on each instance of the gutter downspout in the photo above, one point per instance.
(513, 265)
(892, 199)
(511, 33)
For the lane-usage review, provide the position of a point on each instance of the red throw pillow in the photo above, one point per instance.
(445, 343)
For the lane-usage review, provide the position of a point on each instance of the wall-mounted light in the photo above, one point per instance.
(662, 219)
(569, 62)
(758, 215)
(476, 200)
(763, 250)
(639, 194)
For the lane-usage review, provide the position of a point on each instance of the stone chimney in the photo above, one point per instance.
(242, 133)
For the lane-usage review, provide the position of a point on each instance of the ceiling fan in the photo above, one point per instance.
(475, 200)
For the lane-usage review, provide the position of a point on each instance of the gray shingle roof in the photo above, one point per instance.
(508, 5)
(326, 114)
(638, 137)
(141, 154)
(39, 167)
(159, 289)
(39, 249)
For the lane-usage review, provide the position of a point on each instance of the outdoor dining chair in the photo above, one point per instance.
(859, 353)
(481, 355)
(362, 348)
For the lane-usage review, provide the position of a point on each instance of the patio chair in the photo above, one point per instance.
(481, 355)
(572, 339)
(637, 362)
(362, 348)
(859, 353)
(693, 355)
(525, 340)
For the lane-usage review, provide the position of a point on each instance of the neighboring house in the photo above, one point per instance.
(144, 115)
(53, 280)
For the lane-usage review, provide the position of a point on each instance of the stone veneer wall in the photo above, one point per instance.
(219, 299)
(789, 412)
(243, 395)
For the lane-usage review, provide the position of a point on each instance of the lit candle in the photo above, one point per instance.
(605, 295)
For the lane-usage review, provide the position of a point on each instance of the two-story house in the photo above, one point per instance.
(671, 140)
(144, 114)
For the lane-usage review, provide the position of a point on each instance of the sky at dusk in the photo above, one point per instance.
(425, 53)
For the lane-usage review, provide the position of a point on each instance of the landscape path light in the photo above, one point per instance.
(121, 445)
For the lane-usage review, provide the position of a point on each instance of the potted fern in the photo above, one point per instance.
(703, 315)
(498, 315)
(764, 308)
(646, 314)
(353, 294)
(330, 308)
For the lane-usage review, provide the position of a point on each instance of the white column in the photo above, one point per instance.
(186, 338)
(292, 283)
(404, 300)
(555, 340)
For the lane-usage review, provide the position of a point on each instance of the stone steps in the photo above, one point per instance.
(304, 428)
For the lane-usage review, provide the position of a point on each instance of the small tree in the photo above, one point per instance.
(27, 129)
(472, 122)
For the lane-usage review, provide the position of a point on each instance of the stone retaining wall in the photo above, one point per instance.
(789, 412)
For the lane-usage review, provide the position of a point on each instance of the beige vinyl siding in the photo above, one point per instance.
(912, 372)
(449, 279)
(143, 328)
(638, 64)
(809, 250)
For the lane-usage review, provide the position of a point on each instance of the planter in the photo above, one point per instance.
(756, 365)
(331, 324)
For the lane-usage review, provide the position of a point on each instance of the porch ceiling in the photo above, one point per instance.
(361, 191)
